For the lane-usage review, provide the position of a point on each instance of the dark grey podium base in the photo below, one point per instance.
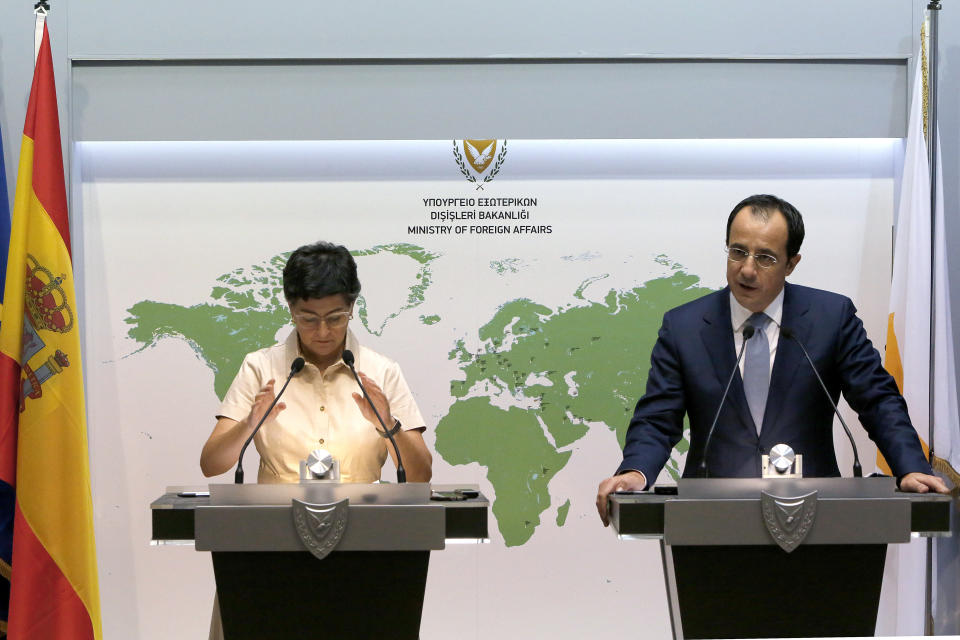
(726, 578)
(268, 585)
(762, 592)
(273, 595)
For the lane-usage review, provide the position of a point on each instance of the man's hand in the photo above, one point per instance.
(917, 482)
(629, 481)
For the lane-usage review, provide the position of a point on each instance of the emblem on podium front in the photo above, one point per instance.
(320, 526)
(788, 520)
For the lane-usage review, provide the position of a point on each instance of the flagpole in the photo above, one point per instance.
(932, 141)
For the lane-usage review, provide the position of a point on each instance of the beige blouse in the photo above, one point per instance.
(320, 411)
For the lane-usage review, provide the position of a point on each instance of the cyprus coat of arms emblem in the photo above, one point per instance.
(788, 520)
(476, 157)
(320, 526)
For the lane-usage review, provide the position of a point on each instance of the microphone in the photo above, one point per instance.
(748, 332)
(294, 370)
(401, 472)
(789, 333)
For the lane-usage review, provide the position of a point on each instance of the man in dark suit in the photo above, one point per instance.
(775, 397)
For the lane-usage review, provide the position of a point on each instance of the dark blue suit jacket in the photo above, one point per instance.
(692, 360)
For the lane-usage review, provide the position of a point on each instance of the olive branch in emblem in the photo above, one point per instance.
(496, 165)
(493, 171)
(460, 163)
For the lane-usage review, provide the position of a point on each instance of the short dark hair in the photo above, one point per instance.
(319, 270)
(762, 205)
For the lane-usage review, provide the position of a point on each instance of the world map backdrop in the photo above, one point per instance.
(525, 340)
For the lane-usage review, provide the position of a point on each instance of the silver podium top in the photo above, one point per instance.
(320, 493)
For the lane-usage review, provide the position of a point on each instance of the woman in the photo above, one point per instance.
(322, 407)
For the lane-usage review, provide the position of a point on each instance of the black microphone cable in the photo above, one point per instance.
(857, 470)
(748, 332)
(294, 370)
(386, 433)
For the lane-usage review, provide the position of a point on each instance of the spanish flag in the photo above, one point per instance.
(43, 436)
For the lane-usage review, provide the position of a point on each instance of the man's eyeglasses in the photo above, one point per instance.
(762, 260)
(332, 321)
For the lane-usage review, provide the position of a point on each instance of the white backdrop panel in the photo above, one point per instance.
(161, 222)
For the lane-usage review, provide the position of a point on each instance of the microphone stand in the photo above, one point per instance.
(401, 472)
(857, 469)
(748, 332)
(294, 370)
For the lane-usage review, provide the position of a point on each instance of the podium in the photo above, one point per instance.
(749, 558)
(321, 559)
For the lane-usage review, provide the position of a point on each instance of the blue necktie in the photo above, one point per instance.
(756, 368)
